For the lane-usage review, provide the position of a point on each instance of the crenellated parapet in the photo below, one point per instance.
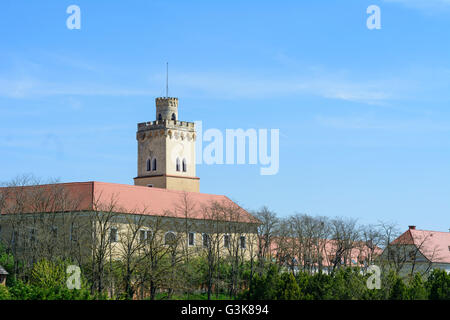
(158, 124)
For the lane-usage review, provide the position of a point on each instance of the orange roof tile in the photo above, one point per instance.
(87, 196)
(434, 245)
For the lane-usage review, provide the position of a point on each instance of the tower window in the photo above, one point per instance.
(174, 117)
(159, 117)
(184, 165)
(178, 164)
(154, 164)
(149, 165)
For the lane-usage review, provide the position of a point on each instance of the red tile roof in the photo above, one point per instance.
(87, 196)
(434, 245)
(328, 248)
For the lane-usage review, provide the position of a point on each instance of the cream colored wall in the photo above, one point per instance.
(42, 224)
(152, 145)
(187, 184)
(177, 226)
(122, 223)
(183, 148)
(157, 181)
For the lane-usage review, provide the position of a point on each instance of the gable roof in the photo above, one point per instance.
(3, 271)
(121, 198)
(434, 245)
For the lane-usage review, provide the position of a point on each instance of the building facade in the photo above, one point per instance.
(165, 202)
(419, 251)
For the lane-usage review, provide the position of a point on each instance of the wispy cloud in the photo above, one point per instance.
(369, 123)
(292, 80)
(31, 87)
(231, 86)
(211, 84)
(429, 6)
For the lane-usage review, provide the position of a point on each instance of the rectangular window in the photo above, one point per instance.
(226, 241)
(14, 237)
(73, 232)
(143, 235)
(191, 238)
(32, 235)
(113, 235)
(242, 242)
(205, 240)
(54, 232)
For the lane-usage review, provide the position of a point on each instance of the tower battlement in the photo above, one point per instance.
(167, 102)
(166, 108)
(165, 124)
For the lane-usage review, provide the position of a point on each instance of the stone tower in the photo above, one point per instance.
(166, 150)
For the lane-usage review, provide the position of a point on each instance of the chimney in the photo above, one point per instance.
(412, 227)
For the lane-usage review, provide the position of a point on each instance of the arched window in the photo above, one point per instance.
(184, 165)
(154, 164)
(178, 164)
(149, 165)
(174, 117)
(169, 238)
(160, 117)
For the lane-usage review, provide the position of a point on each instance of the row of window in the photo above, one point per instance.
(180, 165)
(170, 238)
(146, 235)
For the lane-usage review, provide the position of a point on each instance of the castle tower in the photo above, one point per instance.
(166, 150)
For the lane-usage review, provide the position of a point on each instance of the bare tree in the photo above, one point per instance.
(104, 232)
(266, 233)
(345, 235)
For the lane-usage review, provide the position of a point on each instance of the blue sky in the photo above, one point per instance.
(364, 115)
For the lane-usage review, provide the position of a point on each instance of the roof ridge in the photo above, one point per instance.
(158, 189)
(445, 232)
